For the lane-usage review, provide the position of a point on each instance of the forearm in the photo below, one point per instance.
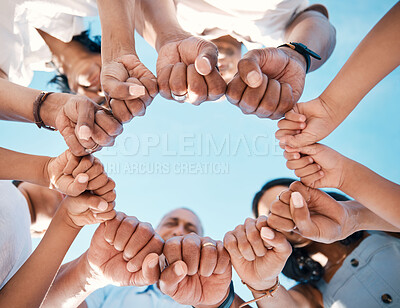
(24, 167)
(37, 273)
(156, 21)
(117, 28)
(16, 103)
(314, 30)
(376, 193)
(71, 285)
(282, 298)
(374, 58)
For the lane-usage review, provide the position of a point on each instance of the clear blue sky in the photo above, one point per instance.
(172, 138)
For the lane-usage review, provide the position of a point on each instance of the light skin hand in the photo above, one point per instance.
(319, 167)
(187, 66)
(196, 275)
(258, 253)
(124, 252)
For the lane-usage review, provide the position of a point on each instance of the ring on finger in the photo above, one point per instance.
(208, 244)
(92, 149)
(179, 98)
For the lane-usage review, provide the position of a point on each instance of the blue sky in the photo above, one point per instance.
(212, 158)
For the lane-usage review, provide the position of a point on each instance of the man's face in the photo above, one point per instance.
(179, 222)
(264, 208)
(229, 54)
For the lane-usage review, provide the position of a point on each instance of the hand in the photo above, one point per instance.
(72, 175)
(187, 68)
(85, 126)
(268, 83)
(258, 253)
(197, 274)
(87, 209)
(124, 252)
(84, 76)
(321, 167)
(129, 86)
(320, 218)
(307, 123)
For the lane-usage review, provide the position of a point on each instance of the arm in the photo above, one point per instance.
(271, 80)
(35, 279)
(372, 60)
(129, 86)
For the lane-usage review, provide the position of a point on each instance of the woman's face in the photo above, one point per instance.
(264, 208)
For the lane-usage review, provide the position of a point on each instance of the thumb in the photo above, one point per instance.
(172, 276)
(298, 141)
(151, 269)
(85, 120)
(207, 59)
(249, 69)
(300, 213)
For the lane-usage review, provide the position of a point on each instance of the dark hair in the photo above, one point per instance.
(16, 183)
(268, 185)
(61, 80)
(300, 266)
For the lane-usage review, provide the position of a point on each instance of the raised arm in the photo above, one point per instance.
(372, 60)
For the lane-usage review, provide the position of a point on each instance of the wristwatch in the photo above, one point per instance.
(304, 51)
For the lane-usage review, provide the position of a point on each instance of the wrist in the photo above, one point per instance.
(352, 222)
(349, 177)
(51, 107)
(225, 302)
(88, 279)
(296, 56)
(259, 288)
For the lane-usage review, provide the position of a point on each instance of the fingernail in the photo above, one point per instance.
(137, 90)
(302, 118)
(84, 132)
(253, 78)
(203, 66)
(82, 178)
(297, 199)
(103, 205)
(131, 268)
(153, 262)
(267, 233)
(179, 270)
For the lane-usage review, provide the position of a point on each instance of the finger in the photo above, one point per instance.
(144, 232)
(121, 111)
(173, 249)
(85, 121)
(84, 165)
(253, 237)
(155, 245)
(283, 132)
(72, 186)
(291, 125)
(163, 81)
(171, 277)
(109, 187)
(291, 156)
(177, 81)
(299, 163)
(249, 69)
(223, 261)
(151, 87)
(207, 59)
(96, 169)
(280, 223)
(112, 226)
(243, 244)
(197, 87)
(109, 196)
(102, 217)
(102, 138)
(299, 140)
(286, 102)
(124, 232)
(208, 258)
(270, 101)
(191, 253)
(136, 107)
(98, 182)
(284, 196)
(277, 240)
(111, 126)
(215, 84)
(150, 270)
(261, 221)
(300, 213)
(235, 90)
(72, 142)
(144, 98)
(294, 116)
(281, 209)
(311, 180)
(307, 170)
(84, 202)
(252, 96)
(231, 245)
